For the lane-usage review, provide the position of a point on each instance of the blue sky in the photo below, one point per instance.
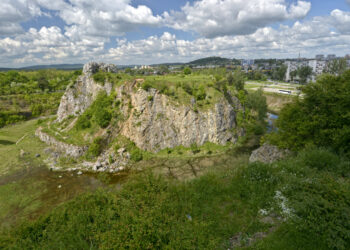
(154, 31)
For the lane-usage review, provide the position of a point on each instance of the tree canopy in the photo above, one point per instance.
(320, 118)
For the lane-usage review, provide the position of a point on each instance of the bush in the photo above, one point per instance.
(100, 77)
(83, 122)
(187, 88)
(257, 102)
(136, 155)
(187, 71)
(146, 86)
(36, 109)
(321, 118)
(103, 117)
(95, 148)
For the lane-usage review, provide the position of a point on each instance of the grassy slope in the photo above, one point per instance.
(10, 152)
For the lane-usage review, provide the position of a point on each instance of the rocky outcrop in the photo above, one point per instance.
(157, 123)
(268, 154)
(93, 67)
(110, 161)
(67, 149)
(153, 120)
(79, 97)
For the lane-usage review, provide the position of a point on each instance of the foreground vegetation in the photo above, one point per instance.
(305, 201)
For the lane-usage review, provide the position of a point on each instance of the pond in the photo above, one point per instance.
(33, 191)
(271, 118)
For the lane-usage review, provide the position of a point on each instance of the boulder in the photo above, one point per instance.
(267, 154)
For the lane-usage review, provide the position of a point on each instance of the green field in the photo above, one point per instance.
(13, 139)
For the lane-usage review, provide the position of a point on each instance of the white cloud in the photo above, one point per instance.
(214, 18)
(104, 17)
(341, 20)
(47, 45)
(286, 41)
(12, 12)
(93, 18)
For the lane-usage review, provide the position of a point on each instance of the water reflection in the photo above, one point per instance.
(271, 118)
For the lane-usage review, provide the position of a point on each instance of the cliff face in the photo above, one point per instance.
(159, 123)
(152, 120)
(79, 96)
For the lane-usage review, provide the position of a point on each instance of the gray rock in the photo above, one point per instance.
(165, 125)
(268, 154)
(37, 155)
(79, 173)
(93, 67)
(22, 153)
(68, 149)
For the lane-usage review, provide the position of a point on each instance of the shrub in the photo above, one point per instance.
(321, 118)
(95, 148)
(36, 109)
(146, 86)
(136, 155)
(103, 117)
(100, 77)
(194, 148)
(200, 93)
(187, 88)
(150, 98)
(83, 122)
(257, 101)
(187, 71)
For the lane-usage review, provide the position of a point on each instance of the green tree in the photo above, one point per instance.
(257, 101)
(238, 79)
(304, 73)
(280, 73)
(293, 74)
(43, 83)
(187, 71)
(337, 66)
(321, 118)
(164, 69)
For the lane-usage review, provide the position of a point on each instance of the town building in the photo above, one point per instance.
(331, 57)
(320, 57)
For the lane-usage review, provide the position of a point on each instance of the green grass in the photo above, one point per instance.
(205, 213)
(10, 152)
(174, 89)
(18, 200)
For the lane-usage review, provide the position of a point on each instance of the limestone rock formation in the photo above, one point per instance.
(153, 120)
(159, 123)
(79, 96)
(93, 67)
(268, 154)
(67, 149)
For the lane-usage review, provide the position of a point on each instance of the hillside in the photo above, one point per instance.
(51, 66)
(211, 61)
(144, 115)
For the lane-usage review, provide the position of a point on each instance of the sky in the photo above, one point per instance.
(157, 31)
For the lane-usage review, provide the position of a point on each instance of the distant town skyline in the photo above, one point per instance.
(146, 32)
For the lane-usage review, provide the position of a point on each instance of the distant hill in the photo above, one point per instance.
(53, 66)
(212, 61)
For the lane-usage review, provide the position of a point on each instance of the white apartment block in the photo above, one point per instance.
(318, 67)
